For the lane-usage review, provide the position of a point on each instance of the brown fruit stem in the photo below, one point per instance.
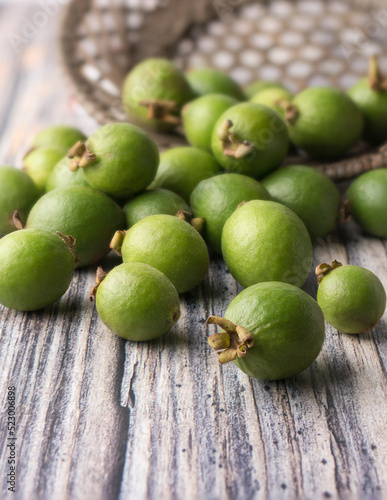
(290, 110)
(323, 269)
(80, 155)
(230, 144)
(70, 242)
(375, 78)
(117, 241)
(345, 214)
(158, 109)
(100, 276)
(16, 220)
(233, 342)
(195, 222)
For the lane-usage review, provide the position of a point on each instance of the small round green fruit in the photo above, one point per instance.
(137, 302)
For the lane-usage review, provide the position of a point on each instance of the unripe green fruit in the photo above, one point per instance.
(324, 122)
(370, 95)
(258, 86)
(36, 268)
(272, 97)
(279, 330)
(62, 176)
(85, 213)
(120, 159)
(137, 302)
(170, 245)
(266, 241)
(181, 169)
(215, 199)
(199, 118)
(367, 196)
(17, 193)
(309, 193)
(352, 298)
(213, 81)
(154, 92)
(39, 164)
(59, 137)
(153, 202)
(250, 139)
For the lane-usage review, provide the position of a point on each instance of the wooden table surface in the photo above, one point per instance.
(99, 418)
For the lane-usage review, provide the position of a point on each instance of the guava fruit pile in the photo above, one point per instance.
(166, 214)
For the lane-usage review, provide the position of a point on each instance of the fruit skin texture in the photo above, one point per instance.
(36, 268)
(153, 202)
(258, 86)
(157, 79)
(328, 123)
(212, 81)
(62, 177)
(170, 245)
(17, 192)
(260, 126)
(85, 213)
(352, 299)
(127, 160)
(217, 198)
(367, 196)
(200, 115)
(373, 105)
(287, 325)
(39, 164)
(309, 193)
(266, 241)
(181, 169)
(58, 136)
(137, 302)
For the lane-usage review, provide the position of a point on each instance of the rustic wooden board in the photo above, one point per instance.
(99, 418)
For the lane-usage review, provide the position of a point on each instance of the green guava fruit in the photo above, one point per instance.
(39, 164)
(309, 193)
(153, 202)
(17, 193)
(62, 176)
(181, 169)
(137, 302)
(169, 244)
(85, 213)
(272, 97)
(213, 81)
(215, 199)
(200, 115)
(250, 139)
(271, 331)
(253, 88)
(367, 196)
(352, 298)
(370, 95)
(323, 121)
(36, 268)
(59, 137)
(120, 159)
(153, 94)
(266, 241)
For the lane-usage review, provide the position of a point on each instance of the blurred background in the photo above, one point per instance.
(299, 43)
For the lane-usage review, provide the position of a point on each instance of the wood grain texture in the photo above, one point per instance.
(102, 419)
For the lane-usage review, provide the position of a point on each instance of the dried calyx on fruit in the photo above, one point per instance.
(233, 342)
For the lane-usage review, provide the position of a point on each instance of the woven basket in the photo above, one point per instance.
(300, 43)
